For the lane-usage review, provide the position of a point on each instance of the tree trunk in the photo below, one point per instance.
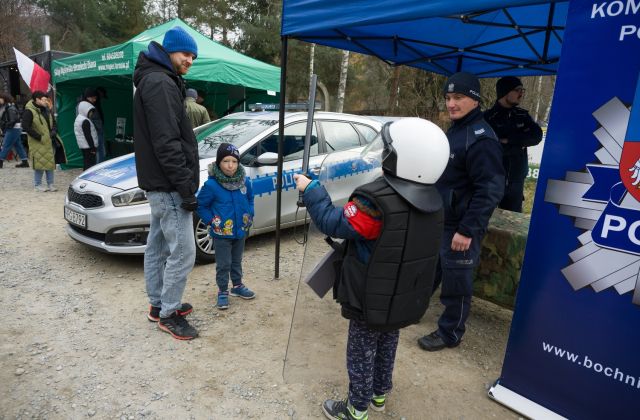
(536, 115)
(342, 86)
(546, 114)
(393, 95)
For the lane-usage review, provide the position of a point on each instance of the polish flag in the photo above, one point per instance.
(34, 76)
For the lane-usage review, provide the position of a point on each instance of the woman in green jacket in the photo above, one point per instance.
(37, 122)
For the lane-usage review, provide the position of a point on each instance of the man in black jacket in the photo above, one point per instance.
(516, 130)
(471, 187)
(168, 170)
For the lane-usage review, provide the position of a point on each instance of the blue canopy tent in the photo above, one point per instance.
(489, 38)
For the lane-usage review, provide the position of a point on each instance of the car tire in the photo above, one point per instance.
(205, 248)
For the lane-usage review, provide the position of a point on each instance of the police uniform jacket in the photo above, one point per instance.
(472, 185)
(165, 145)
(516, 125)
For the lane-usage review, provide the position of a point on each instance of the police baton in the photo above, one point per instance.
(307, 137)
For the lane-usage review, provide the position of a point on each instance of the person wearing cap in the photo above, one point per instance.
(516, 131)
(198, 114)
(225, 202)
(168, 169)
(471, 188)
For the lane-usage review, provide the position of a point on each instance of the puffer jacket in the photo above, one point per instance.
(83, 127)
(165, 145)
(229, 213)
(37, 123)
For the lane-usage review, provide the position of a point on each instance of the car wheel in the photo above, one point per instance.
(205, 249)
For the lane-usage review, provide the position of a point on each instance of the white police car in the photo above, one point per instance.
(106, 210)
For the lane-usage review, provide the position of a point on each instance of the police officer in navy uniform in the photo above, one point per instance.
(471, 187)
(516, 130)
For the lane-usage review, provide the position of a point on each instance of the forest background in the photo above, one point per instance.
(348, 82)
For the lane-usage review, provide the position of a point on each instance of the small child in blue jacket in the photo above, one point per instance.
(225, 203)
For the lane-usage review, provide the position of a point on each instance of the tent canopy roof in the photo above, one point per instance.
(215, 62)
(487, 37)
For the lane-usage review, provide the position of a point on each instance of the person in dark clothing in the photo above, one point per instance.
(471, 188)
(516, 130)
(168, 169)
(375, 223)
(11, 130)
(86, 134)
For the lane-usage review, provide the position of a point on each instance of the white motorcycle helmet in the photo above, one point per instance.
(415, 155)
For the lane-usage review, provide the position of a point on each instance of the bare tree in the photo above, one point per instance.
(342, 85)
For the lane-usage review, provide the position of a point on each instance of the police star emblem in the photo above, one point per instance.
(604, 202)
(450, 87)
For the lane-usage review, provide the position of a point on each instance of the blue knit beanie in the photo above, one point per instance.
(178, 40)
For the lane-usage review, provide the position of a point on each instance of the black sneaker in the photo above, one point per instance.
(433, 342)
(178, 327)
(23, 164)
(154, 312)
(341, 410)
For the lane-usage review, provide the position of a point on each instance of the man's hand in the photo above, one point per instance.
(636, 171)
(189, 203)
(460, 242)
(504, 141)
(301, 182)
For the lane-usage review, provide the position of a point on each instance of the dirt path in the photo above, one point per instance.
(77, 344)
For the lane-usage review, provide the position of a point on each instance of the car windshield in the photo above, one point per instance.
(228, 130)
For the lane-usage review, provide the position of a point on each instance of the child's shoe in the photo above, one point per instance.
(223, 300)
(242, 291)
(377, 402)
(342, 410)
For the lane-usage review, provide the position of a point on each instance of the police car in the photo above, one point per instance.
(105, 209)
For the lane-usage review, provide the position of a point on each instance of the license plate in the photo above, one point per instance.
(75, 218)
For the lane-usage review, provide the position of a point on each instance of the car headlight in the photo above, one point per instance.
(129, 197)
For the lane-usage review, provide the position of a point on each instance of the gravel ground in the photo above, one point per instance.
(77, 344)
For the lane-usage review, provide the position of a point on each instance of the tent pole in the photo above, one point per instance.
(283, 85)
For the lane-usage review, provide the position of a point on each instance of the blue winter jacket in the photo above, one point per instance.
(229, 214)
(331, 220)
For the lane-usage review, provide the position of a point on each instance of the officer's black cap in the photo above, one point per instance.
(464, 83)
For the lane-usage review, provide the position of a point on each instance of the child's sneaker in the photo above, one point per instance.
(223, 300)
(242, 291)
(341, 410)
(377, 402)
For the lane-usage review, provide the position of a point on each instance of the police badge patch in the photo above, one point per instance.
(604, 201)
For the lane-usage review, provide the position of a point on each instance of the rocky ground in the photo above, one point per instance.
(76, 342)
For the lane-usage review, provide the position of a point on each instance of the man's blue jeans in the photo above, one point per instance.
(170, 253)
(12, 140)
(228, 262)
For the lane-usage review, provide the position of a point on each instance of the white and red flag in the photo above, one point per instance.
(34, 76)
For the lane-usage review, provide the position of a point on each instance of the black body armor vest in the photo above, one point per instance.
(393, 290)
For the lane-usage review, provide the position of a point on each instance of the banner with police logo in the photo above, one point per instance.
(573, 346)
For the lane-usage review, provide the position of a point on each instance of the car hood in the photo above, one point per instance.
(120, 172)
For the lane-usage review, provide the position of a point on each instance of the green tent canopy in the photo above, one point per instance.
(227, 79)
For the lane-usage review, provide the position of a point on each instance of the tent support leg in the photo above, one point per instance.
(283, 85)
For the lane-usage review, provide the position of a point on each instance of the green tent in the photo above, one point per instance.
(228, 80)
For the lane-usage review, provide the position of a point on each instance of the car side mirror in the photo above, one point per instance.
(268, 158)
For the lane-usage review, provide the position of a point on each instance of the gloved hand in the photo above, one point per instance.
(636, 171)
(190, 203)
